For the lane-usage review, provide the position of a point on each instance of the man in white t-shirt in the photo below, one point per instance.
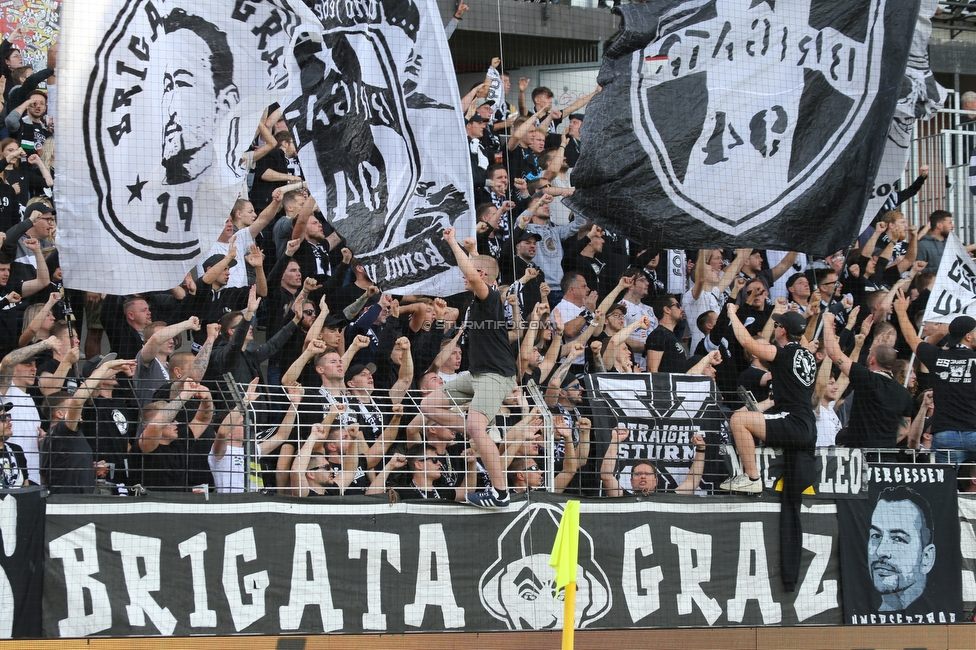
(244, 225)
(17, 372)
(707, 292)
(576, 308)
(635, 310)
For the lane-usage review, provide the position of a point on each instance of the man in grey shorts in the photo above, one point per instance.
(492, 373)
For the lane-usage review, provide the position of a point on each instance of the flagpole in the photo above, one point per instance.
(911, 359)
(569, 616)
(564, 559)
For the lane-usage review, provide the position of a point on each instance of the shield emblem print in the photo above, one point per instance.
(753, 101)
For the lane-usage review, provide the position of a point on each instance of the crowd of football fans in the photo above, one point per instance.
(329, 371)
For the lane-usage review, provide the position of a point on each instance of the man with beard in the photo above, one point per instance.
(314, 250)
(900, 549)
(644, 479)
(188, 132)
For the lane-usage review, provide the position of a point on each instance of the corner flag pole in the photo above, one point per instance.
(564, 558)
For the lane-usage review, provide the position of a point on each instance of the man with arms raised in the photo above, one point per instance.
(793, 425)
(492, 368)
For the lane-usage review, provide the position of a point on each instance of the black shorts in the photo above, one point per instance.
(787, 431)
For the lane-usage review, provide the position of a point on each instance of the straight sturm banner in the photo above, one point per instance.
(380, 136)
(663, 411)
(260, 565)
(900, 552)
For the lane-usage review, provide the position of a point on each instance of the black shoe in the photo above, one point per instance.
(488, 499)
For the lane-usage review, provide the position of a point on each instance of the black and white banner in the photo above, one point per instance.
(920, 97)
(380, 132)
(159, 100)
(841, 472)
(954, 291)
(967, 547)
(22, 561)
(259, 565)
(662, 412)
(746, 124)
(900, 549)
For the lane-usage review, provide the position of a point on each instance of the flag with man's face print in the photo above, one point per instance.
(158, 103)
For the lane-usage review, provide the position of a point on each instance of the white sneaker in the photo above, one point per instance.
(742, 483)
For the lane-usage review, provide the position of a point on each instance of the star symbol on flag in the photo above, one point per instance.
(135, 190)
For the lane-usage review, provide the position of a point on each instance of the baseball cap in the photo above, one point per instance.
(335, 322)
(793, 278)
(526, 235)
(959, 328)
(39, 207)
(792, 322)
(577, 116)
(358, 368)
(213, 259)
(476, 118)
(92, 364)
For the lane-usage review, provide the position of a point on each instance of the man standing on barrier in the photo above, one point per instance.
(492, 373)
(791, 424)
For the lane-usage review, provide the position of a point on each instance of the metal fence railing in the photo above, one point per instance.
(229, 437)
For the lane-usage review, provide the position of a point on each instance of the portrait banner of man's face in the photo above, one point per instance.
(900, 552)
(160, 100)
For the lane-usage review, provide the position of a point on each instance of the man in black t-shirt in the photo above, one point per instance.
(881, 404)
(109, 422)
(791, 424)
(165, 443)
(953, 384)
(67, 462)
(492, 373)
(664, 351)
(276, 169)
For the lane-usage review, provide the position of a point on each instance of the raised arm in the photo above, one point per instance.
(43, 279)
(19, 355)
(834, 351)
(581, 102)
(267, 214)
(784, 265)
(761, 349)
(295, 369)
(905, 324)
(911, 253)
(151, 348)
(690, 484)
(214, 272)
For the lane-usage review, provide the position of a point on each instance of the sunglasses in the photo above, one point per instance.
(533, 468)
(4, 417)
(309, 312)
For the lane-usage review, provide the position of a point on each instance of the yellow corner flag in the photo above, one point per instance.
(564, 558)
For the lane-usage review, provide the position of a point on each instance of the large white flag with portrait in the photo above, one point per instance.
(380, 133)
(157, 102)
